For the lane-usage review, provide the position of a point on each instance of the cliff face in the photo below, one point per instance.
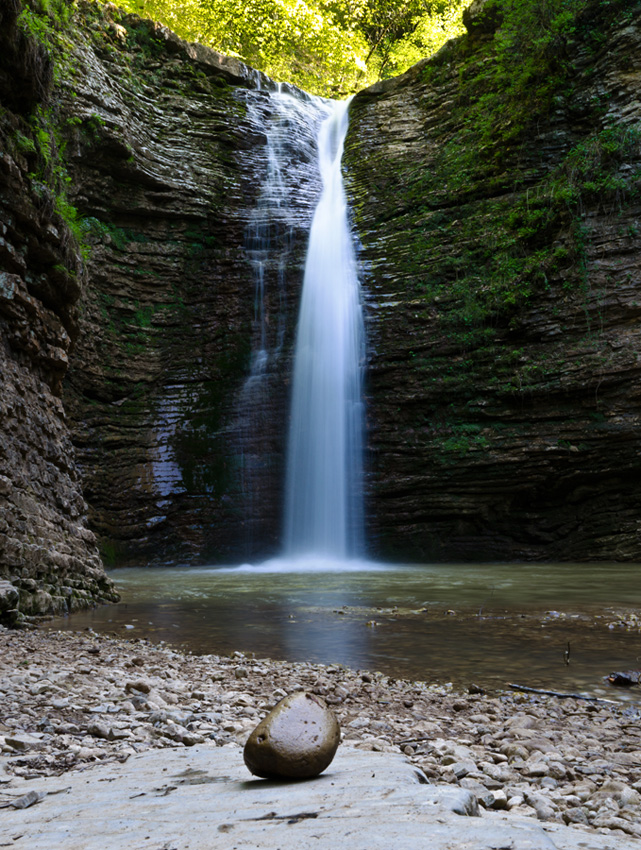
(151, 154)
(181, 455)
(48, 555)
(500, 232)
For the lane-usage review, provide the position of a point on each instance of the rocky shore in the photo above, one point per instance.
(73, 700)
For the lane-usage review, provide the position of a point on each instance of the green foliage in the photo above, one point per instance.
(51, 175)
(426, 36)
(515, 231)
(69, 214)
(464, 437)
(544, 28)
(43, 20)
(527, 69)
(329, 47)
(590, 176)
(95, 230)
(25, 144)
(398, 33)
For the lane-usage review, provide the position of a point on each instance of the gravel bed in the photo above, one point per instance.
(70, 700)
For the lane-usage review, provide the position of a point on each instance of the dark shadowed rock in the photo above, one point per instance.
(297, 739)
(9, 596)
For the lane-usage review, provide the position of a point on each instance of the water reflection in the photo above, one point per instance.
(489, 624)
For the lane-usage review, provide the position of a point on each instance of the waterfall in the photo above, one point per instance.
(276, 233)
(323, 512)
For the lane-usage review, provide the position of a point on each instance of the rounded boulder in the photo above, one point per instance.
(297, 740)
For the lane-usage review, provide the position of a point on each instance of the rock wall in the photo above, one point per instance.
(502, 268)
(48, 556)
(181, 459)
(138, 271)
(499, 231)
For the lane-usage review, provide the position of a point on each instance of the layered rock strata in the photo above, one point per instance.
(48, 556)
(500, 243)
(501, 258)
(181, 458)
(162, 149)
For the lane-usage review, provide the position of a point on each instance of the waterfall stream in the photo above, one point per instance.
(275, 238)
(323, 513)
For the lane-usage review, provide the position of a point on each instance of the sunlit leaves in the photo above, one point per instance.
(288, 39)
(330, 47)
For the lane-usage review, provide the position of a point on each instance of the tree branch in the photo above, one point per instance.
(558, 694)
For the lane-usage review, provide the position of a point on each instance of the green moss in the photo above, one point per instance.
(463, 438)
(43, 20)
(24, 144)
(109, 552)
(509, 231)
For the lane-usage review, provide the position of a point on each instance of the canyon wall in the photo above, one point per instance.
(180, 445)
(499, 213)
(48, 555)
(134, 278)
(495, 195)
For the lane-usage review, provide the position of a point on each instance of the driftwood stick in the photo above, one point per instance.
(559, 694)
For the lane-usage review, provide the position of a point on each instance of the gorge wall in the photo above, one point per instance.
(167, 156)
(48, 555)
(132, 166)
(495, 194)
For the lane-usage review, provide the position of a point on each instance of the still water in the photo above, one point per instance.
(486, 624)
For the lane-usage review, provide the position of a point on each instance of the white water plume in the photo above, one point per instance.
(324, 513)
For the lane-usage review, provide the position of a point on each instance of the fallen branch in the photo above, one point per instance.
(559, 694)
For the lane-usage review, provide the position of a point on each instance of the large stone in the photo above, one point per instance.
(9, 596)
(297, 739)
(482, 17)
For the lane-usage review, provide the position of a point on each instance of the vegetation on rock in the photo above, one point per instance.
(328, 47)
(517, 77)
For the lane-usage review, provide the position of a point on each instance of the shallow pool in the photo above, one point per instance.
(557, 626)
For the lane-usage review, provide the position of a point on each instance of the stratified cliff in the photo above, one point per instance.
(496, 194)
(181, 459)
(132, 167)
(48, 556)
(146, 331)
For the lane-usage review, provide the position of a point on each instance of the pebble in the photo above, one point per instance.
(568, 761)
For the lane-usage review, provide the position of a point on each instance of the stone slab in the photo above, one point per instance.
(204, 797)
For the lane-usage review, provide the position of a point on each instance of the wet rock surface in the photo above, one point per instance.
(297, 740)
(168, 159)
(47, 552)
(123, 364)
(72, 700)
(122, 388)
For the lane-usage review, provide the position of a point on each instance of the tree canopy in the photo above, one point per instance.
(329, 47)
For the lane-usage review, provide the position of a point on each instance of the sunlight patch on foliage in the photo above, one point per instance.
(328, 47)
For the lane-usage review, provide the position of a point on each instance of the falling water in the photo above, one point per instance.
(323, 490)
(275, 235)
